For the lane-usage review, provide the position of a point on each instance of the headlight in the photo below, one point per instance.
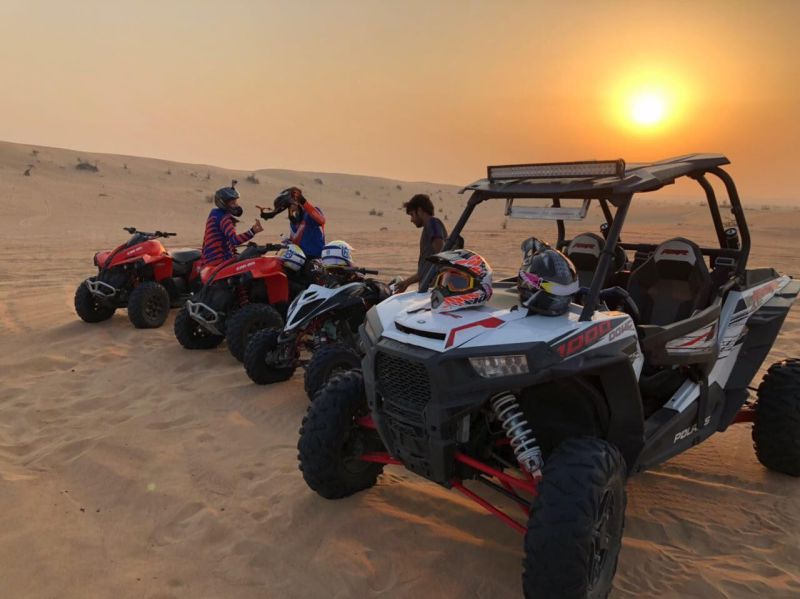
(493, 366)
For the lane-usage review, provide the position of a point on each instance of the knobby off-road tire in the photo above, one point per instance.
(776, 431)
(330, 440)
(575, 528)
(247, 320)
(261, 370)
(191, 335)
(88, 308)
(148, 305)
(326, 362)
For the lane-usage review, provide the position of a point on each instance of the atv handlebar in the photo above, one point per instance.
(363, 271)
(133, 231)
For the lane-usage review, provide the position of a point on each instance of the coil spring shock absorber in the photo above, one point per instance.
(506, 409)
(241, 293)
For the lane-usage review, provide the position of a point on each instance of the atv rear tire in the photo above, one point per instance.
(575, 528)
(88, 308)
(327, 361)
(248, 320)
(776, 430)
(191, 335)
(258, 368)
(331, 442)
(148, 305)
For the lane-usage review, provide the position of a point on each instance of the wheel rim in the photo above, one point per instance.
(601, 538)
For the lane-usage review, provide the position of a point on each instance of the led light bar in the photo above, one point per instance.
(559, 170)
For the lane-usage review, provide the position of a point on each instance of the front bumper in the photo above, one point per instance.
(206, 316)
(423, 402)
(102, 291)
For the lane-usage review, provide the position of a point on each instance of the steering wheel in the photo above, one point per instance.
(618, 298)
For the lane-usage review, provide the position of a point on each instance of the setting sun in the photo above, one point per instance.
(651, 99)
(648, 109)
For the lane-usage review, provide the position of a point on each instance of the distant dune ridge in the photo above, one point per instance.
(130, 467)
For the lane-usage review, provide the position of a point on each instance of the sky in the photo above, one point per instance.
(415, 90)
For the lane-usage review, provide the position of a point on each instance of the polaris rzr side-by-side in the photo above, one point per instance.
(554, 404)
(242, 295)
(140, 275)
(322, 321)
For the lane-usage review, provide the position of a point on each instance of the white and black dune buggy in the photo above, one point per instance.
(322, 320)
(555, 413)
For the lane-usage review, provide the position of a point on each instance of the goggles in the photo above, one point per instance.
(455, 281)
(537, 282)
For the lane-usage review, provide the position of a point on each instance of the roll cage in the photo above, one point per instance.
(611, 191)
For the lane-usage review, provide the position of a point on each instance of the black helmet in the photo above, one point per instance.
(224, 195)
(547, 282)
(529, 247)
(285, 199)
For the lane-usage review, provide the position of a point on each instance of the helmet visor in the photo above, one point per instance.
(454, 280)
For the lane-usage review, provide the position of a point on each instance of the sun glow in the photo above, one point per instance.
(649, 101)
(648, 109)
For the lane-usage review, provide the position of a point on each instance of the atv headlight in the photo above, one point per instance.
(493, 366)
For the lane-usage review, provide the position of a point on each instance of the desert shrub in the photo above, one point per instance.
(85, 165)
(766, 207)
(384, 228)
(209, 198)
(208, 175)
(504, 224)
(169, 171)
(35, 153)
(251, 178)
(358, 193)
(372, 212)
(399, 187)
(27, 172)
(318, 181)
(125, 165)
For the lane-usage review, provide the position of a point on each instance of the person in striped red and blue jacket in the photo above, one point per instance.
(221, 240)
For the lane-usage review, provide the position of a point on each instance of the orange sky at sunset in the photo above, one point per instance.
(410, 90)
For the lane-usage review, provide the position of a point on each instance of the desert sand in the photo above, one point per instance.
(130, 467)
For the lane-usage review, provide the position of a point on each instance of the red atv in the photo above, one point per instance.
(140, 275)
(240, 296)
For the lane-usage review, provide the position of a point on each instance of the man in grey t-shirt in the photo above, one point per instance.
(420, 211)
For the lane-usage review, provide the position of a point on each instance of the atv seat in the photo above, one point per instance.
(671, 284)
(584, 252)
(185, 256)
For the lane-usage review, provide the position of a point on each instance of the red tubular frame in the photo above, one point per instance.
(510, 483)
(746, 414)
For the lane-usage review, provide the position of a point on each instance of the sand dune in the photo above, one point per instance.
(132, 468)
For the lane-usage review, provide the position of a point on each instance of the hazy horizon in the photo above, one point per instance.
(415, 91)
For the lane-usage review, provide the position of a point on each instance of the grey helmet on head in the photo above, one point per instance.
(224, 196)
(547, 282)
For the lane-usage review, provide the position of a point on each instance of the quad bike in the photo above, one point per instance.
(240, 296)
(322, 320)
(142, 276)
(555, 412)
